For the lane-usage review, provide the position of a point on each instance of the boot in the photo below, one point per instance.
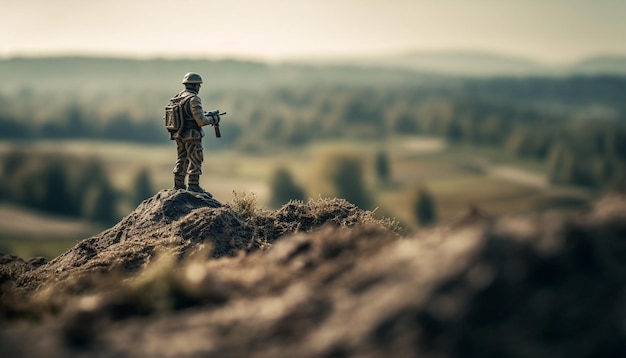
(179, 182)
(195, 187)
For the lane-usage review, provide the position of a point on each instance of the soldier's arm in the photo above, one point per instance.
(198, 114)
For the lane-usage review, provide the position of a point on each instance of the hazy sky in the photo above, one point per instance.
(545, 30)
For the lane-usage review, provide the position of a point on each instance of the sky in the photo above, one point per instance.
(549, 31)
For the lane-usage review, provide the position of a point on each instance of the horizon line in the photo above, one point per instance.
(297, 57)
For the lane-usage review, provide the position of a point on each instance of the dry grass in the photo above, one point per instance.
(245, 204)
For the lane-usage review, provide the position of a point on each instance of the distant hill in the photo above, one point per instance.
(601, 65)
(85, 74)
(106, 74)
(481, 64)
(459, 63)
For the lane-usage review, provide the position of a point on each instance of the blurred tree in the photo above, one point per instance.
(361, 108)
(398, 119)
(517, 141)
(52, 130)
(55, 194)
(142, 186)
(492, 131)
(271, 128)
(618, 179)
(40, 182)
(13, 129)
(560, 163)
(24, 185)
(424, 209)
(45, 182)
(453, 131)
(295, 133)
(283, 188)
(344, 178)
(118, 127)
(99, 202)
(76, 124)
(13, 161)
(583, 174)
(92, 171)
(381, 165)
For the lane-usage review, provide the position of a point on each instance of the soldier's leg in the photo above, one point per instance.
(182, 163)
(196, 157)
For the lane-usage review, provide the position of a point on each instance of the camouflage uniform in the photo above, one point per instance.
(189, 138)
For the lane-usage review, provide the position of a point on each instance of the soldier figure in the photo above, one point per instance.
(189, 138)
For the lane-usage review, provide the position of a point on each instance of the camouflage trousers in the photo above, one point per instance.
(190, 157)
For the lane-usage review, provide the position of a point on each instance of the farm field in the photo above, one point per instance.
(457, 178)
(28, 233)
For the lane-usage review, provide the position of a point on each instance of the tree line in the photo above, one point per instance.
(66, 186)
(577, 126)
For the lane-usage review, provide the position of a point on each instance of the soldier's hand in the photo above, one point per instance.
(213, 117)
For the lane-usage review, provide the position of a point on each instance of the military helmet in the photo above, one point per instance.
(192, 77)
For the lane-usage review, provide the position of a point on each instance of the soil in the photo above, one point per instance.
(185, 276)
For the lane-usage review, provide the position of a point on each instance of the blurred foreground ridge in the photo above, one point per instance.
(184, 275)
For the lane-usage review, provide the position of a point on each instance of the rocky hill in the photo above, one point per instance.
(185, 276)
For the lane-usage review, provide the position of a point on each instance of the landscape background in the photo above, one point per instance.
(416, 110)
(91, 144)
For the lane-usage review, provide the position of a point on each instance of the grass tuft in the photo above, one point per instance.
(245, 204)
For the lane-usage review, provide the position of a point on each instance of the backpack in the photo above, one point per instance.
(174, 114)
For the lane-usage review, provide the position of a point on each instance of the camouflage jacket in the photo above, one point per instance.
(194, 116)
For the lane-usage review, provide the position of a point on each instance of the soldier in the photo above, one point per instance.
(189, 137)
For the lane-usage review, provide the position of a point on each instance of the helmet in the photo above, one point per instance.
(192, 77)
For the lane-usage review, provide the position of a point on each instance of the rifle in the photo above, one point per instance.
(215, 115)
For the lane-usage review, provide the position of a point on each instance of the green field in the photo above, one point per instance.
(34, 247)
(457, 177)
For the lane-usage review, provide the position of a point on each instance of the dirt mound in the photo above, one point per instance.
(546, 286)
(179, 222)
(12, 266)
